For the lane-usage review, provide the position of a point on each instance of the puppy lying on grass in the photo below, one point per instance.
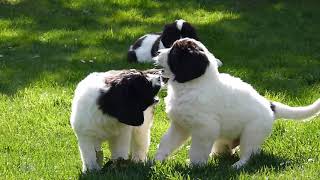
(147, 46)
(215, 109)
(114, 106)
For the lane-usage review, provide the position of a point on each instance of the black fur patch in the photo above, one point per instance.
(155, 47)
(131, 56)
(188, 31)
(273, 107)
(170, 34)
(130, 94)
(187, 61)
(138, 43)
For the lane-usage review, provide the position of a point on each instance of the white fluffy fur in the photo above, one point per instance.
(92, 127)
(143, 52)
(216, 110)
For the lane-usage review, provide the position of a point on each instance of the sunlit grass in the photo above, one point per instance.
(47, 47)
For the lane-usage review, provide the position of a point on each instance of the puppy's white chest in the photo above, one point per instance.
(181, 110)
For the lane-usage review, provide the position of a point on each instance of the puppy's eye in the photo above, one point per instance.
(158, 52)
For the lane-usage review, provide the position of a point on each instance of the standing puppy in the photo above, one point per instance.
(216, 110)
(148, 45)
(116, 106)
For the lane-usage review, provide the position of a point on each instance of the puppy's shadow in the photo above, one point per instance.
(220, 167)
(217, 168)
(121, 169)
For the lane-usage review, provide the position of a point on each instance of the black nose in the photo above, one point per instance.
(155, 100)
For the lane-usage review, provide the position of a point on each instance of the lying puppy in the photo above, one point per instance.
(116, 106)
(217, 110)
(147, 46)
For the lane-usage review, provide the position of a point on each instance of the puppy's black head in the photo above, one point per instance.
(170, 34)
(187, 60)
(188, 31)
(177, 30)
(130, 94)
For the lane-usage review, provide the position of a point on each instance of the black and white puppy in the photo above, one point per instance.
(116, 106)
(217, 110)
(148, 45)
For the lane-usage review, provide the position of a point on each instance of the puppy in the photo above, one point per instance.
(216, 110)
(147, 46)
(116, 106)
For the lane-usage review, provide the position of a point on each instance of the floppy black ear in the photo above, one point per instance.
(119, 101)
(132, 117)
(116, 103)
(132, 110)
(188, 31)
(187, 61)
(169, 35)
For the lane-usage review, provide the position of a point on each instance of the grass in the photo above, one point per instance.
(47, 46)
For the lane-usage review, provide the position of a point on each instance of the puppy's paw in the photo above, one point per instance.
(198, 164)
(139, 157)
(116, 163)
(91, 169)
(237, 165)
(160, 157)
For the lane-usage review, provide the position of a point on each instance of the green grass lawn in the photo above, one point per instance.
(48, 46)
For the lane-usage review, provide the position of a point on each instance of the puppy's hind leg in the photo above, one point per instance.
(225, 146)
(220, 147)
(250, 142)
(175, 136)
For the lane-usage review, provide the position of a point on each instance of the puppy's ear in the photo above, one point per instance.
(169, 35)
(120, 102)
(189, 31)
(187, 61)
(132, 112)
(131, 117)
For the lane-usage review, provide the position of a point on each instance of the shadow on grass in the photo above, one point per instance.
(217, 168)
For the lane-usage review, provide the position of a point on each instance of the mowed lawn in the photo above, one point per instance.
(48, 46)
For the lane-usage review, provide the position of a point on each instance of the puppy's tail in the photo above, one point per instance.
(298, 113)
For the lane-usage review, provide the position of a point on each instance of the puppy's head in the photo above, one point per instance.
(129, 94)
(177, 30)
(156, 73)
(186, 60)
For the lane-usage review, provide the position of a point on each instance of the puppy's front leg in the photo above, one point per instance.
(120, 144)
(203, 138)
(88, 153)
(99, 153)
(175, 136)
(141, 137)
